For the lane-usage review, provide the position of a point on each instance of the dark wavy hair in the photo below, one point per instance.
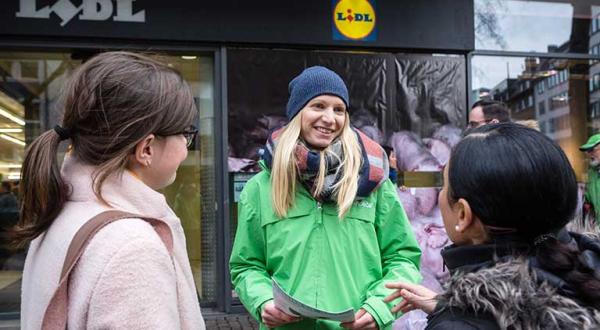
(518, 180)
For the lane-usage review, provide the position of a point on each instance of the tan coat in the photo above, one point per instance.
(125, 278)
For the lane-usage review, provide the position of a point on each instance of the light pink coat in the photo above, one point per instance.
(125, 278)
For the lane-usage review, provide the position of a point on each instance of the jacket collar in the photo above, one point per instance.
(470, 258)
(515, 299)
(476, 258)
(122, 191)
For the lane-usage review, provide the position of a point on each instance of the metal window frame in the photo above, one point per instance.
(65, 45)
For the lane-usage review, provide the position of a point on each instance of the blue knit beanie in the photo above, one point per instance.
(312, 82)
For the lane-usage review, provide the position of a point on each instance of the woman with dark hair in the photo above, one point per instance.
(128, 120)
(508, 193)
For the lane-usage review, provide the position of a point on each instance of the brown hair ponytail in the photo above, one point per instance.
(43, 191)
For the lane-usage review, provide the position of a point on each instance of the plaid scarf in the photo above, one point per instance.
(373, 172)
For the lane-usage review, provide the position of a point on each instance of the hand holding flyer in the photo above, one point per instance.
(291, 306)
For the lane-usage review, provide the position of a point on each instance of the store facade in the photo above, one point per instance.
(411, 66)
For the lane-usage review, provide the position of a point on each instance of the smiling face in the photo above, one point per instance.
(323, 120)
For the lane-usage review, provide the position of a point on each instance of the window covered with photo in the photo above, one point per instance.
(415, 105)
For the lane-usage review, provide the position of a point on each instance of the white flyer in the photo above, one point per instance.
(291, 306)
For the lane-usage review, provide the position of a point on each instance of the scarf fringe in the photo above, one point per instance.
(373, 172)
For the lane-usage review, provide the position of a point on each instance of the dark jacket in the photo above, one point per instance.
(491, 288)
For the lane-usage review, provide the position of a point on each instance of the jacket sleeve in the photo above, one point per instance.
(247, 264)
(400, 254)
(136, 289)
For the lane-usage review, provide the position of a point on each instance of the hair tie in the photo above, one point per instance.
(63, 133)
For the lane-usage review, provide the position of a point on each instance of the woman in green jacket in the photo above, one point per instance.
(321, 219)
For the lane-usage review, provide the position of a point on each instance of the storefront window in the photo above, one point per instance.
(415, 104)
(563, 105)
(193, 195)
(30, 85)
(560, 26)
(29, 89)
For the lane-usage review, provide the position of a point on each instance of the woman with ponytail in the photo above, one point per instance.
(509, 191)
(128, 119)
(322, 219)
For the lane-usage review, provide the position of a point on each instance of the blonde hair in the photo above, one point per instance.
(284, 171)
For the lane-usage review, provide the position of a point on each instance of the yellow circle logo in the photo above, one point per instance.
(354, 19)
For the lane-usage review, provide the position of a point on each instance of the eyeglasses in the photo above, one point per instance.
(189, 134)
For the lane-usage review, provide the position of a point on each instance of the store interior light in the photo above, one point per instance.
(11, 130)
(10, 166)
(6, 114)
(189, 57)
(14, 176)
(12, 139)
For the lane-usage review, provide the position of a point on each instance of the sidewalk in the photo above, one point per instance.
(213, 320)
(217, 320)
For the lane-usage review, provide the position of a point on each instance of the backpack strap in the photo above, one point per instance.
(56, 313)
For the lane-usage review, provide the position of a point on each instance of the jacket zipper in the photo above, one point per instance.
(318, 250)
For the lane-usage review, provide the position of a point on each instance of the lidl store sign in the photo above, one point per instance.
(354, 20)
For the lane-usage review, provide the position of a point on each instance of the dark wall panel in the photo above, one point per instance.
(430, 92)
(431, 24)
(420, 96)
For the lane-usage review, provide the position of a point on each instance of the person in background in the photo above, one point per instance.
(321, 218)
(592, 187)
(128, 118)
(513, 265)
(8, 200)
(488, 112)
(389, 151)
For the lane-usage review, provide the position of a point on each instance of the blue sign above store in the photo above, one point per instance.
(354, 20)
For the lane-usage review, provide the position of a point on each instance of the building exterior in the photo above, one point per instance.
(409, 65)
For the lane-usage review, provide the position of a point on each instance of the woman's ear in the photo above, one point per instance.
(144, 151)
(469, 225)
(464, 215)
(494, 121)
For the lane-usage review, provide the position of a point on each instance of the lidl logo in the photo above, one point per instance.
(354, 20)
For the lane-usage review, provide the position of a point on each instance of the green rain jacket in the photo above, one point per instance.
(592, 191)
(323, 262)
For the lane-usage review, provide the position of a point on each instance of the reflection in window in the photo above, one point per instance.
(29, 88)
(558, 26)
(563, 97)
(193, 194)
